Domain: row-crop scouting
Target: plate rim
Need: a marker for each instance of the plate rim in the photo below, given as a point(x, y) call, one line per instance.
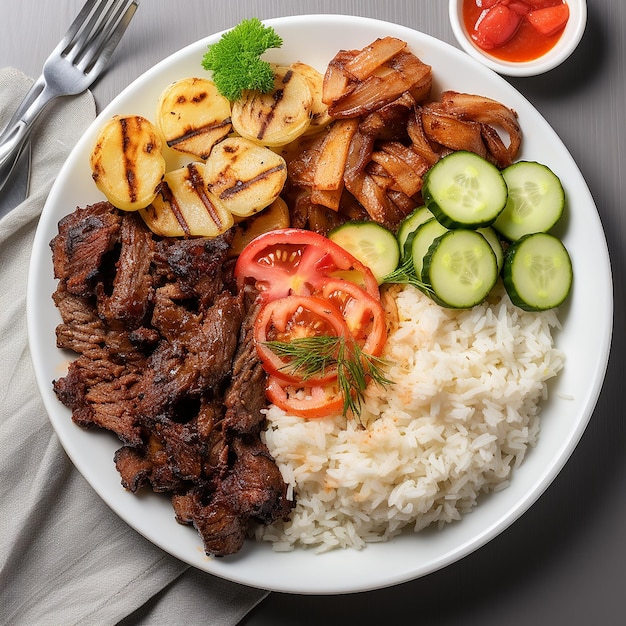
point(500, 523)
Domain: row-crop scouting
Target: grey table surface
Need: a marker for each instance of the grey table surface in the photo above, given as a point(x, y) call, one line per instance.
point(564, 560)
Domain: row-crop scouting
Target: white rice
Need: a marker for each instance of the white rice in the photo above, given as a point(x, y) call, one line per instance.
point(458, 419)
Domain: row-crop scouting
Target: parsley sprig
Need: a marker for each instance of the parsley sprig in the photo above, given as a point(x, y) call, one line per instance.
point(235, 59)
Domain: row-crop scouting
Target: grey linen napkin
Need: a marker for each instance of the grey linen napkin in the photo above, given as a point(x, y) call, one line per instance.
point(65, 557)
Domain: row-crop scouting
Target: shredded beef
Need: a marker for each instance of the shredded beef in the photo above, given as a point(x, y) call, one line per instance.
point(82, 330)
point(245, 396)
point(197, 267)
point(102, 393)
point(212, 516)
point(85, 237)
point(131, 290)
point(247, 492)
point(166, 361)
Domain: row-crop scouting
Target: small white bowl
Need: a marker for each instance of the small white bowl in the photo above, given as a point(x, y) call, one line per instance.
point(562, 50)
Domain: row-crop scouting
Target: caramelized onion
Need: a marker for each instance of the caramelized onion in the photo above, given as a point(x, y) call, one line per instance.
point(452, 132)
point(387, 131)
point(494, 116)
point(403, 72)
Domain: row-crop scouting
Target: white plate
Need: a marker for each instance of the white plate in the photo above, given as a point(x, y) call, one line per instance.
point(585, 338)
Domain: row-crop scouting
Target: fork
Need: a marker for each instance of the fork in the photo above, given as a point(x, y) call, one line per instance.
point(71, 68)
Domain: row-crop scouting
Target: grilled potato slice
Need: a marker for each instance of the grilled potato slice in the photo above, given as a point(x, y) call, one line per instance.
point(185, 207)
point(277, 117)
point(245, 176)
point(319, 117)
point(126, 162)
point(192, 116)
point(275, 216)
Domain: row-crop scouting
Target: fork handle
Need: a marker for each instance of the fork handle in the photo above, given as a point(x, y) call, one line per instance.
point(18, 131)
point(32, 94)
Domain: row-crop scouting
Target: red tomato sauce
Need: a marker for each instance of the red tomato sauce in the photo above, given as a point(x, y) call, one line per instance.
point(526, 44)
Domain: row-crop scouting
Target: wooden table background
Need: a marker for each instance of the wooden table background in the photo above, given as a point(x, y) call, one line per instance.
point(564, 561)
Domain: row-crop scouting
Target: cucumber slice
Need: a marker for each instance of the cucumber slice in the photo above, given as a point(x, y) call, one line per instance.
point(461, 269)
point(372, 244)
point(494, 241)
point(423, 237)
point(463, 190)
point(408, 226)
point(537, 272)
point(535, 203)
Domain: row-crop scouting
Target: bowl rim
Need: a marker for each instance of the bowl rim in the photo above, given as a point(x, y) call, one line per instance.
point(574, 31)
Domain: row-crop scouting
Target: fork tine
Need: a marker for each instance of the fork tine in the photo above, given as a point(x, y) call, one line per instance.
point(75, 26)
point(72, 67)
point(86, 29)
point(95, 39)
point(101, 49)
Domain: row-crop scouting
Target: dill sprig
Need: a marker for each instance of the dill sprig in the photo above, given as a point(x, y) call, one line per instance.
point(312, 356)
point(354, 369)
point(308, 357)
point(235, 59)
point(405, 274)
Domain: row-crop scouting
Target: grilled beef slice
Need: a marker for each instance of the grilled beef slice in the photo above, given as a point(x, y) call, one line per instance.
point(102, 393)
point(132, 284)
point(166, 361)
point(245, 397)
point(85, 237)
point(250, 492)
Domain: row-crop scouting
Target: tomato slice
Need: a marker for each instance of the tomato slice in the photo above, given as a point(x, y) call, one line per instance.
point(304, 400)
point(296, 317)
point(293, 261)
point(363, 314)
